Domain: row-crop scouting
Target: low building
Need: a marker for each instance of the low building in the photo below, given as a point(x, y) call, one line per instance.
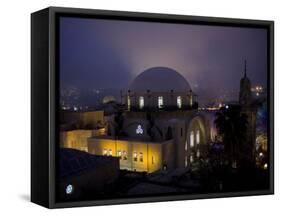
point(89, 119)
point(77, 139)
point(137, 155)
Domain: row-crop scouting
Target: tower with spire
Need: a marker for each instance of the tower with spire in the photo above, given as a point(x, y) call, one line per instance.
point(245, 95)
point(247, 148)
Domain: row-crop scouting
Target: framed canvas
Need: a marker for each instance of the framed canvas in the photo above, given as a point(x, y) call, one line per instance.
point(139, 107)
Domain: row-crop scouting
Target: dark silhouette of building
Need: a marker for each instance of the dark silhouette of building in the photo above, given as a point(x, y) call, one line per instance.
point(248, 107)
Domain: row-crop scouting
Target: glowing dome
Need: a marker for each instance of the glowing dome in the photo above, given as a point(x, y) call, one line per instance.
point(159, 79)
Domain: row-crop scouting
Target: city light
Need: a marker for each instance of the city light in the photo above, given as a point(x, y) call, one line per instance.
point(69, 189)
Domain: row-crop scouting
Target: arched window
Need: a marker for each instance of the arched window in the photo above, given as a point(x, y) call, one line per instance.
point(185, 161)
point(191, 139)
point(119, 153)
point(198, 153)
point(179, 102)
point(197, 137)
point(109, 152)
point(141, 157)
point(141, 102)
point(135, 156)
point(160, 102)
point(191, 159)
point(191, 100)
point(129, 103)
point(124, 155)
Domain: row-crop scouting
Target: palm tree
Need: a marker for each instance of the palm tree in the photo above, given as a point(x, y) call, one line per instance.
point(232, 125)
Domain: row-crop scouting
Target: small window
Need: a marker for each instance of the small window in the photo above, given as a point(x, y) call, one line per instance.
point(190, 100)
point(125, 155)
point(119, 153)
point(191, 159)
point(135, 156)
point(109, 152)
point(185, 146)
point(197, 137)
point(179, 102)
point(141, 102)
point(191, 139)
point(160, 102)
point(139, 130)
point(104, 152)
point(198, 153)
point(152, 160)
point(141, 157)
point(185, 161)
point(129, 102)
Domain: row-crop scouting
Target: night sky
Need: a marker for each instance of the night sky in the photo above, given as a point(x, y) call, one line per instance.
point(102, 54)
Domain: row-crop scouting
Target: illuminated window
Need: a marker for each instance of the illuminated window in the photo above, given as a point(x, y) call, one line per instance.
point(160, 102)
point(179, 102)
point(129, 102)
point(191, 100)
point(109, 152)
point(119, 153)
point(104, 152)
point(198, 153)
point(141, 102)
point(191, 159)
point(185, 161)
point(124, 155)
point(135, 156)
point(139, 130)
point(141, 157)
point(191, 139)
point(197, 137)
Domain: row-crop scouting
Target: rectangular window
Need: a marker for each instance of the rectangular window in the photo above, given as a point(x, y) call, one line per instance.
point(197, 137)
point(109, 152)
point(160, 102)
point(141, 157)
point(191, 141)
point(179, 102)
point(119, 153)
point(135, 156)
point(190, 100)
point(191, 159)
point(129, 103)
point(125, 155)
point(141, 102)
point(198, 153)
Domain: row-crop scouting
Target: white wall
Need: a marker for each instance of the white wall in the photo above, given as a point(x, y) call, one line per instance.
point(15, 106)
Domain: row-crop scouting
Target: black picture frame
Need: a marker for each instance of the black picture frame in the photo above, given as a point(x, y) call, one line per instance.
point(45, 97)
